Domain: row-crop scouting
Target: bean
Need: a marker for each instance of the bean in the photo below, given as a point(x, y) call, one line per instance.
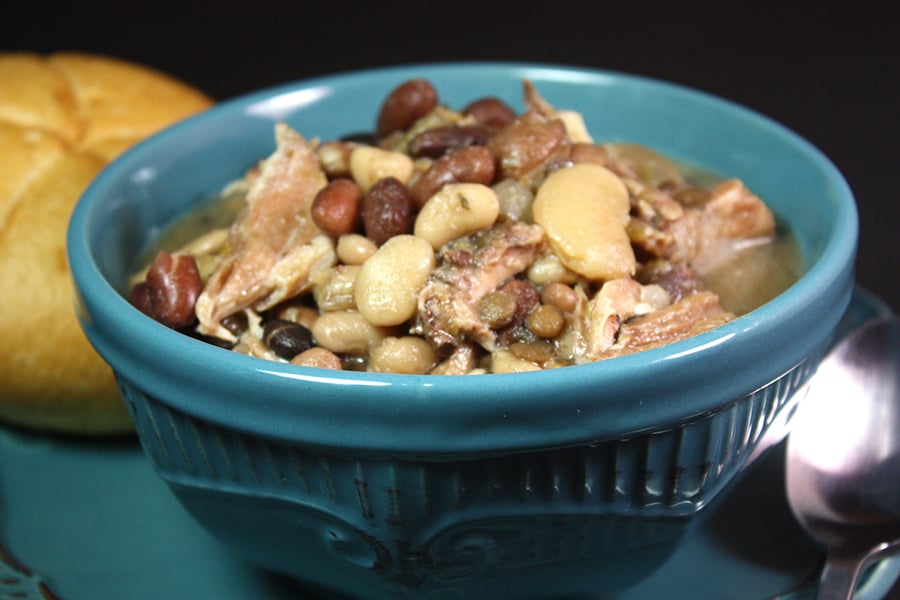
point(559, 295)
point(236, 323)
point(333, 287)
point(404, 105)
point(537, 352)
point(497, 309)
point(346, 332)
point(515, 199)
point(491, 111)
point(336, 207)
point(456, 210)
point(546, 321)
point(437, 141)
point(548, 268)
point(591, 153)
point(504, 361)
point(354, 249)
point(139, 297)
point(469, 164)
point(387, 210)
point(527, 143)
point(334, 158)
point(173, 285)
point(388, 283)
point(584, 210)
point(286, 338)
point(369, 164)
point(296, 311)
point(319, 358)
point(408, 354)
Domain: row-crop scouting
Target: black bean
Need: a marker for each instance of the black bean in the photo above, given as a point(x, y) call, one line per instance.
point(235, 323)
point(286, 338)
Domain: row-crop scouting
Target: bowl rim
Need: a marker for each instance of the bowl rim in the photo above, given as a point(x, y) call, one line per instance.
point(409, 418)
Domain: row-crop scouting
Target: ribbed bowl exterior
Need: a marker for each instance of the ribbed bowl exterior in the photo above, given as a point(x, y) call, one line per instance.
point(437, 526)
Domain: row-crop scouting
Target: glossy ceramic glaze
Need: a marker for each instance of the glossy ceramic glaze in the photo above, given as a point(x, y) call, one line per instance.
point(453, 486)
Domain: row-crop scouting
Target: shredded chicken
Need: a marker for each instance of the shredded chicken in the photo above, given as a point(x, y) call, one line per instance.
point(469, 269)
point(274, 245)
point(688, 317)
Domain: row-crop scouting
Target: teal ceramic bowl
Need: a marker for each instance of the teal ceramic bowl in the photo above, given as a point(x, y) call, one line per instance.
point(563, 482)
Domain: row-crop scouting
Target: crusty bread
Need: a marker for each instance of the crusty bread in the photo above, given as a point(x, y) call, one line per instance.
point(63, 117)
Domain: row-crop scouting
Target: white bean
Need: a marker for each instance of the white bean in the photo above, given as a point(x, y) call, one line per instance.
point(368, 164)
point(354, 249)
point(457, 209)
point(346, 332)
point(388, 283)
point(407, 354)
point(584, 211)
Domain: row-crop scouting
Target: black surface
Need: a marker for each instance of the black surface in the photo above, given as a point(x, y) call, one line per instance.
point(830, 74)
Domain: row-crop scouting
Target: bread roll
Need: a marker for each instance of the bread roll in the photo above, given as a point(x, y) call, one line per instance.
point(63, 117)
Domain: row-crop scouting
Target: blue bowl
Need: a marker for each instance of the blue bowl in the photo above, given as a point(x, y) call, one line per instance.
point(565, 481)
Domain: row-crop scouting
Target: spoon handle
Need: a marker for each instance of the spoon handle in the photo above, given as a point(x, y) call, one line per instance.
point(838, 580)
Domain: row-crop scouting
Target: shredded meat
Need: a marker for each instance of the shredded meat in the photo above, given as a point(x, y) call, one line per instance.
point(274, 245)
point(690, 316)
point(470, 268)
point(732, 214)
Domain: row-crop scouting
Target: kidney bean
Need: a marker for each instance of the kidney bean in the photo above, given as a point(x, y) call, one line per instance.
point(404, 105)
point(491, 111)
point(387, 210)
point(336, 208)
point(469, 164)
point(286, 338)
point(170, 291)
point(139, 297)
point(437, 141)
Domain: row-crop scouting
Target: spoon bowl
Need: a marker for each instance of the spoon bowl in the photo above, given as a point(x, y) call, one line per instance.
point(843, 454)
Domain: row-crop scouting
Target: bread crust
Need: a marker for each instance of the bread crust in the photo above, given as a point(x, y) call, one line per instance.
point(63, 117)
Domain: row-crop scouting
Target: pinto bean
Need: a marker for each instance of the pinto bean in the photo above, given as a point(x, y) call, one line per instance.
point(559, 295)
point(319, 358)
point(170, 291)
point(437, 141)
point(387, 210)
point(337, 206)
point(527, 143)
point(491, 111)
point(404, 105)
point(469, 164)
point(591, 153)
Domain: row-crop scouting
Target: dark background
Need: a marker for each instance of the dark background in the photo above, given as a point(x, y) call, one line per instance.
point(830, 74)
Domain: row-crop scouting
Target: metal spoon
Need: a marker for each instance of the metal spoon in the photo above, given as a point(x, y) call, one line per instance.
point(843, 455)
